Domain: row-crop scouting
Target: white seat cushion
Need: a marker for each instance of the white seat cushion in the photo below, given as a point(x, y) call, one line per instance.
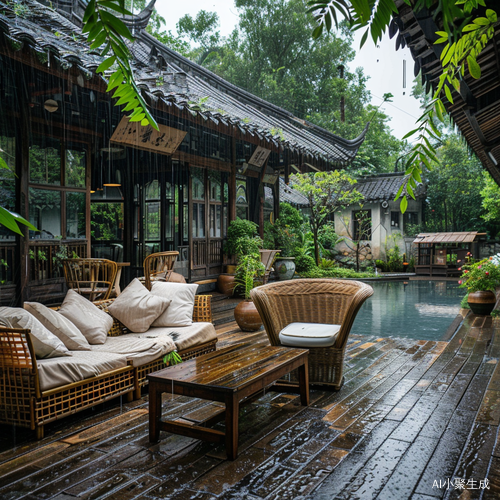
point(309, 335)
point(186, 337)
point(139, 348)
point(56, 372)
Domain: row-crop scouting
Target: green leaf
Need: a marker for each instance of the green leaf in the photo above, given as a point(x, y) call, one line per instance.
point(474, 68)
point(409, 189)
point(400, 192)
point(99, 40)
point(106, 64)
point(491, 15)
point(116, 25)
point(403, 205)
point(116, 7)
point(470, 27)
point(410, 133)
point(447, 91)
point(317, 31)
point(89, 11)
point(363, 38)
point(481, 21)
point(11, 220)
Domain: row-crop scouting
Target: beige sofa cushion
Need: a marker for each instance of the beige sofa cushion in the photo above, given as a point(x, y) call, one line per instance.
point(136, 307)
point(138, 348)
point(180, 311)
point(60, 326)
point(83, 364)
point(88, 318)
point(46, 344)
point(187, 336)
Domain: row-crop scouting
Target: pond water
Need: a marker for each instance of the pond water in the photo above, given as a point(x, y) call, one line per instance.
point(416, 309)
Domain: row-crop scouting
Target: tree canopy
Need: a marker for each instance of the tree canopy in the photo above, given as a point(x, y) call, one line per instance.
point(272, 55)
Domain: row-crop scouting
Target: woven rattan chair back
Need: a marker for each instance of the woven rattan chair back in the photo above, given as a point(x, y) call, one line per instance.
point(328, 301)
point(92, 278)
point(158, 267)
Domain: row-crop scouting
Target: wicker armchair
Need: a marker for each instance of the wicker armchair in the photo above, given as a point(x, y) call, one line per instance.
point(159, 266)
point(327, 301)
point(92, 278)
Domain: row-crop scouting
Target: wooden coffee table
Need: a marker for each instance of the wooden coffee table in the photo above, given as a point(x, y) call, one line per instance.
point(227, 375)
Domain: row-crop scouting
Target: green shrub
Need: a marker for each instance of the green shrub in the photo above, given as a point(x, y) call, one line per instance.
point(327, 264)
point(336, 272)
point(464, 304)
point(304, 263)
point(239, 228)
point(382, 265)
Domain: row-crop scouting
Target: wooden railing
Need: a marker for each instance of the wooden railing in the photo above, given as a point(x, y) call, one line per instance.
point(45, 257)
point(215, 252)
point(199, 253)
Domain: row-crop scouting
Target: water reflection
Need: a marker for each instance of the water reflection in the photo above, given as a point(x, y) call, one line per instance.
point(416, 309)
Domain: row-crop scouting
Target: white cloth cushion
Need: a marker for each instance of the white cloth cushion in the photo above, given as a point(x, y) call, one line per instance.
point(60, 326)
point(139, 348)
point(88, 318)
point(187, 336)
point(83, 364)
point(136, 307)
point(309, 335)
point(180, 311)
point(46, 344)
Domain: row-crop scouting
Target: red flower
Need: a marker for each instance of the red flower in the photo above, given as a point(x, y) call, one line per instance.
point(459, 282)
point(459, 268)
point(486, 273)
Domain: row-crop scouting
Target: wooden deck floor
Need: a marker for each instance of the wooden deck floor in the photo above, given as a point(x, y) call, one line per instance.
point(411, 416)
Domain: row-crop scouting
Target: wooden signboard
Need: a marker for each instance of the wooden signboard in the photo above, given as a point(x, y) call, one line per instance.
point(259, 156)
point(165, 141)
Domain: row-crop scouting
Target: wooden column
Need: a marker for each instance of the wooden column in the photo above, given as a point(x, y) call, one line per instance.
point(232, 183)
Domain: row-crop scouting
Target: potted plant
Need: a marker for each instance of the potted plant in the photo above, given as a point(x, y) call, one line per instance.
point(248, 272)
point(285, 240)
point(241, 239)
point(481, 279)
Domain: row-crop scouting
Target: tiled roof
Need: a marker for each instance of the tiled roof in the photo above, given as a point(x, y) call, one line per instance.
point(287, 195)
point(163, 74)
point(464, 237)
point(383, 186)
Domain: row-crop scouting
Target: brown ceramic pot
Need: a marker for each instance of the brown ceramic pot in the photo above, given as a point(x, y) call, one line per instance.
point(482, 302)
point(225, 284)
point(247, 316)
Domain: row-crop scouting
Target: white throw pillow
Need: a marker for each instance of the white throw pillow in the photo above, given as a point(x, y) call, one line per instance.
point(180, 311)
point(60, 326)
point(88, 318)
point(136, 307)
point(46, 344)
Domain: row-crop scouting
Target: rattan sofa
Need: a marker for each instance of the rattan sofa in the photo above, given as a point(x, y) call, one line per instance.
point(23, 403)
point(327, 301)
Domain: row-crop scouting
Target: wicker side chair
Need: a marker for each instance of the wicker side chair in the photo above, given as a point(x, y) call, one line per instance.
point(92, 278)
point(158, 267)
point(325, 301)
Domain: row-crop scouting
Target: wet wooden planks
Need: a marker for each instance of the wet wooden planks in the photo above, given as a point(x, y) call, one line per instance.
point(410, 413)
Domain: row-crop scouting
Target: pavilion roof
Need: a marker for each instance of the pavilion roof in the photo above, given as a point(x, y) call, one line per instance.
point(461, 237)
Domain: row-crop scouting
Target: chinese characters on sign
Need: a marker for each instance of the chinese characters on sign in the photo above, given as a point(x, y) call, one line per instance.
point(462, 484)
point(165, 141)
point(259, 156)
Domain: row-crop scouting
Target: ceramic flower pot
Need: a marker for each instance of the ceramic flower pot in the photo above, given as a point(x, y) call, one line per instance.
point(225, 284)
point(482, 302)
point(247, 316)
point(284, 268)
